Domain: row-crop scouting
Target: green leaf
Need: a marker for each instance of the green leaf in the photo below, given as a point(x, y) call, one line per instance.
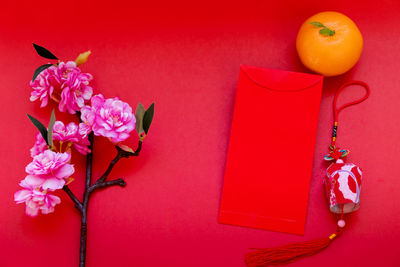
point(317, 24)
point(326, 31)
point(40, 69)
point(40, 127)
point(43, 52)
point(139, 114)
point(50, 129)
point(148, 118)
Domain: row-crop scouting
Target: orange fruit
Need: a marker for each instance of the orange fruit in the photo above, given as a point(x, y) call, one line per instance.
point(329, 43)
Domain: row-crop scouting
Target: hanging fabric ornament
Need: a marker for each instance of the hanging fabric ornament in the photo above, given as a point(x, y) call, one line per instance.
point(342, 186)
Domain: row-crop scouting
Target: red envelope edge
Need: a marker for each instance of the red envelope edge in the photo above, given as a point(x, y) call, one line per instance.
point(271, 147)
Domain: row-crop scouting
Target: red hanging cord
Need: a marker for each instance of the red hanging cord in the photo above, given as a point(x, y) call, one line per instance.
point(355, 102)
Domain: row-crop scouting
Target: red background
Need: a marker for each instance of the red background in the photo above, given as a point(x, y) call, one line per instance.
point(186, 58)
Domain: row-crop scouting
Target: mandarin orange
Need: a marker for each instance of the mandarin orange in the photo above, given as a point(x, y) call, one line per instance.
point(329, 43)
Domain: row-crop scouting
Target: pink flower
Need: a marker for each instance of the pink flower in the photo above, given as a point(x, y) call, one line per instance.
point(87, 116)
point(65, 133)
point(39, 146)
point(97, 101)
point(44, 85)
point(49, 169)
point(82, 145)
point(75, 87)
point(110, 118)
point(35, 199)
point(65, 82)
point(69, 135)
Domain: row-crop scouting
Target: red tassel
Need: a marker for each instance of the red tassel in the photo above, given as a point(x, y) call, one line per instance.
point(288, 253)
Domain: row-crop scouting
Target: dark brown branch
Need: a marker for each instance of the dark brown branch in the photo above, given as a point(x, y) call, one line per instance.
point(119, 182)
point(74, 199)
point(137, 151)
point(110, 167)
point(89, 161)
point(100, 183)
point(120, 154)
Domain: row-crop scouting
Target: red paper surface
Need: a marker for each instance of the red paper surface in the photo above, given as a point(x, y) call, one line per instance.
point(271, 149)
point(185, 57)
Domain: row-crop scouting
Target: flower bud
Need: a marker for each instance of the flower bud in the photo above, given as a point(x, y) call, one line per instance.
point(82, 58)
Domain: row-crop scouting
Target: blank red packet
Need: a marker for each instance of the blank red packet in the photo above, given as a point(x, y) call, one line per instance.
point(271, 149)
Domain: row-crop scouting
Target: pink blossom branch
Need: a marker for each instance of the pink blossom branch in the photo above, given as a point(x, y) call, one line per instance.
point(78, 86)
point(74, 199)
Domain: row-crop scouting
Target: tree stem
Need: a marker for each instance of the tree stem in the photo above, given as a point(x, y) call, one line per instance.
point(100, 183)
point(86, 194)
point(119, 182)
point(74, 199)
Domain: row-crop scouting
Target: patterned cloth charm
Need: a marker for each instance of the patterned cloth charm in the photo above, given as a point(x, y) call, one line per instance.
point(343, 186)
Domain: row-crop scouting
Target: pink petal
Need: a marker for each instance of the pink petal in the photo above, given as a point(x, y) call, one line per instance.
point(80, 102)
point(97, 101)
point(64, 171)
point(44, 102)
point(46, 210)
point(53, 184)
point(87, 92)
point(53, 200)
point(22, 195)
point(82, 149)
point(31, 211)
point(123, 136)
point(84, 129)
point(70, 64)
point(72, 128)
point(34, 181)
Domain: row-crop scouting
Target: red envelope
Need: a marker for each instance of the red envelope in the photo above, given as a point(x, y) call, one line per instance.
point(271, 149)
